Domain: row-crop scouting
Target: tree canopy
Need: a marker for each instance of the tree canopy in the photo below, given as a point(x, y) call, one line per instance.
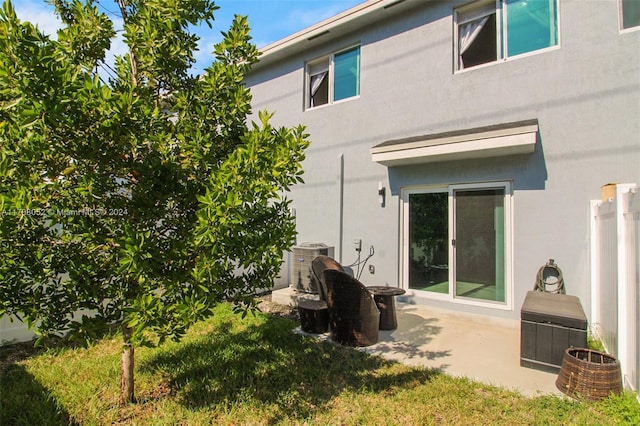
point(143, 198)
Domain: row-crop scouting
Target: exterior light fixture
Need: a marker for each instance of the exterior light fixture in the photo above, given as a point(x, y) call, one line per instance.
point(381, 194)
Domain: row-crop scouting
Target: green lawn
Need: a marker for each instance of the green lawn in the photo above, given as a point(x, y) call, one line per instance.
point(255, 370)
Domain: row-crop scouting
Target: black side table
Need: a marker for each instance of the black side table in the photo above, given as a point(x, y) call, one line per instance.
point(384, 298)
point(314, 316)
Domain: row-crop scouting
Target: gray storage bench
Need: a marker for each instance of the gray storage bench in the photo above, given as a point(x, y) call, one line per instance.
point(550, 323)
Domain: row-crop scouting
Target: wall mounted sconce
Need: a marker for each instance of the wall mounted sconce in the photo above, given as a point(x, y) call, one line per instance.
point(381, 194)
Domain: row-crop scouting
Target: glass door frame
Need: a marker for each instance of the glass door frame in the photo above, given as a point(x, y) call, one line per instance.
point(508, 245)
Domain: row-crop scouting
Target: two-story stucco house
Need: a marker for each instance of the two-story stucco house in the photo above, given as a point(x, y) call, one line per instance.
point(462, 140)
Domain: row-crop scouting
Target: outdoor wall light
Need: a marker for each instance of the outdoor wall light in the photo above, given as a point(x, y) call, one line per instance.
point(381, 194)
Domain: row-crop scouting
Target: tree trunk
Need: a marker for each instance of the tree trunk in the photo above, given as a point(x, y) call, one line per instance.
point(126, 368)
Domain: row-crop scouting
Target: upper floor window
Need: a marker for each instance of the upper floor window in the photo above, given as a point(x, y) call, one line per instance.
point(333, 78)
point(629, 13)
point(488, 31)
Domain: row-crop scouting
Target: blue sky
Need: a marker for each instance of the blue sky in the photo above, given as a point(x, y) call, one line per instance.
point(270, 20)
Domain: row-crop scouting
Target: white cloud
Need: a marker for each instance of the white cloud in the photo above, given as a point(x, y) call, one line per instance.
point(204, 56)
point(40, 14)
point(43, 16)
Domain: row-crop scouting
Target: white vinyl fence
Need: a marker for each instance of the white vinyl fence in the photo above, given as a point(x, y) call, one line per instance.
point(12, 330)
point(615, 276)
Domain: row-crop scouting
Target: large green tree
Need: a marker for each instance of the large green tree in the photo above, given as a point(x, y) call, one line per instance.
point(140, 197)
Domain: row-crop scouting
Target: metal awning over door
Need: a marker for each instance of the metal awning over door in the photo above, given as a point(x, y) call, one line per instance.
point(481, 142)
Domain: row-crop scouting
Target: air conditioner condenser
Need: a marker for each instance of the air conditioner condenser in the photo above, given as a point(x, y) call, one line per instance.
point(301, 274)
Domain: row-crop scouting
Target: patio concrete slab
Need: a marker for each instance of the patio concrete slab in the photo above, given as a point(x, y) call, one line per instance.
point(482, 348)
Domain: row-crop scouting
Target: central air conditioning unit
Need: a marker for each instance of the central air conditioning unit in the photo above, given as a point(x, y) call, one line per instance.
point(301, 273)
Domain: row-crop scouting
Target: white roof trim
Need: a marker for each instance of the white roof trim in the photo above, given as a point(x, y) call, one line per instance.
point(324, 26)
point(367, 13)
point(494, 141)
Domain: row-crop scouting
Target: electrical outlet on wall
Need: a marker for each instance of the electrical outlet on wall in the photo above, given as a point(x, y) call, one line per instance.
point(357, 244)
point(372, 269)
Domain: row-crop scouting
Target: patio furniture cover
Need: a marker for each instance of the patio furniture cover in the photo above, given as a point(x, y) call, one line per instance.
point(319, 264)
point(353, 315)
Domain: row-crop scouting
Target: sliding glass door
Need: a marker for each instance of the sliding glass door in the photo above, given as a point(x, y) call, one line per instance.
point(428, 234)
point(478, 244)
point(455, 242)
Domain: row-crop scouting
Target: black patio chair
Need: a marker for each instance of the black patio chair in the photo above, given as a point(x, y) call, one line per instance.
point(319, 264)
point(314, 314)
point(353, 315)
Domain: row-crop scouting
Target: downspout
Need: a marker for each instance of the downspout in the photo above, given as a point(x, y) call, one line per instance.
point(289, 281)
point(340, 182)
point(596, 318)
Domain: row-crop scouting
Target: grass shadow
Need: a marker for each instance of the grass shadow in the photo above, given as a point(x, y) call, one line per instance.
point(24, 401)
point(268, 363)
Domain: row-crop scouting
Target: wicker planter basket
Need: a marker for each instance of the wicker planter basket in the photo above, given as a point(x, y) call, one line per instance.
point(589, 374)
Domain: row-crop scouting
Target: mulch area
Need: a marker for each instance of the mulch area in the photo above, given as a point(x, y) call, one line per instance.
point(16, 352)
point(267, 306)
